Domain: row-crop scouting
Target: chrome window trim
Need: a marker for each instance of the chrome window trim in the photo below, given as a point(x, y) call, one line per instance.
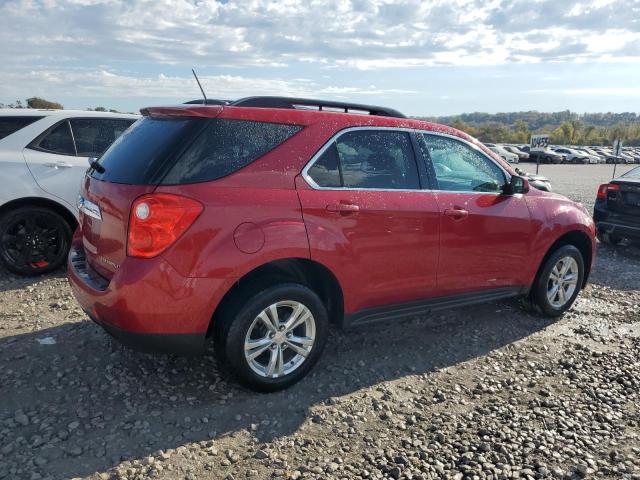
point(310, 163)
point(318, 154)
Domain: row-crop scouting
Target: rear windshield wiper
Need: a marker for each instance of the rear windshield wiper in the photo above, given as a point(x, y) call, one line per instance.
point(93, 163)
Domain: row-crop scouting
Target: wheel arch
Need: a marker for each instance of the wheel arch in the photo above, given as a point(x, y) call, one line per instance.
point(60, 209)
point(298, 270)
point(578, 239)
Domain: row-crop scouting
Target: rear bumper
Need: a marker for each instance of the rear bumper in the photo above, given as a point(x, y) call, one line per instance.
point(147, 304)
point(615, 223)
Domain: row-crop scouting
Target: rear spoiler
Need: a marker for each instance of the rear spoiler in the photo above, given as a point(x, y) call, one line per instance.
point(202, 111)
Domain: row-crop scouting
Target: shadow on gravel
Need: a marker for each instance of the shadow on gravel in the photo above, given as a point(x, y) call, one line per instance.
point(80, 406)
point(612, 266)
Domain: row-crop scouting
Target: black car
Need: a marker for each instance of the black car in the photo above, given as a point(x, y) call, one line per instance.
point(617, 209)
point(546, 155)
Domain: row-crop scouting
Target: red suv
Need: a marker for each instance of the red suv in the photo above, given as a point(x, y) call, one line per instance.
point(261, 222)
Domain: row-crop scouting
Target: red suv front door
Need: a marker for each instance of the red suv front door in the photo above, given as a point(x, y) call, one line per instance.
point(484, 234)
point(369, 220)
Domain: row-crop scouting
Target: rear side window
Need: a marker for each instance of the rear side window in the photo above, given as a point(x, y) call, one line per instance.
point(226, 146)
point(9, 125)
point(94, 135)
point(325, 172)
point(58, 140)
point(140, 155)
point(379, 159)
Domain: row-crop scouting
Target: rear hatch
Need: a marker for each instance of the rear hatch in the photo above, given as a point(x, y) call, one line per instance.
point(168, 147)
point(134, 165)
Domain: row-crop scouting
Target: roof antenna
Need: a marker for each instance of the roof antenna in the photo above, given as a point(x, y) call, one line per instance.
point(204, 101)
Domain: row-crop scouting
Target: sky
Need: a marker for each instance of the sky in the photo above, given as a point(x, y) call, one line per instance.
point(421, 57)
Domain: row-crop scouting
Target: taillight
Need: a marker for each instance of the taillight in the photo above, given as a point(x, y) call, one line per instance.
point(157, 220)
point(605, 188)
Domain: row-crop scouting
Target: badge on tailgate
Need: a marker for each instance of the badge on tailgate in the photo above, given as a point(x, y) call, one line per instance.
point(88, 208)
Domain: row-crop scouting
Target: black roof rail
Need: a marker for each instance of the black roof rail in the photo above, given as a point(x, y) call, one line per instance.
point(321, 105)
point(209, 101)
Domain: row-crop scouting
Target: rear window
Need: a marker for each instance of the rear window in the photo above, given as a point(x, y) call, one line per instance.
point(226, 146)
point(139, 156)
point(635, 173)
point(9, 125)
point(188, 150)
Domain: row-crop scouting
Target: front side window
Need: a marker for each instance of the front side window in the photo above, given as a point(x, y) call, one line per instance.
point(460, 168)
point(94, 135)
point(378, 159)
point(11, 124)
point(58, 140)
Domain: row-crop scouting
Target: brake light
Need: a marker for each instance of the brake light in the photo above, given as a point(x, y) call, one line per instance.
point(605, 188)
point(157, 220)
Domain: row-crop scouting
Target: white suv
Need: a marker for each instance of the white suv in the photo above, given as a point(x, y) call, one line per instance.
point(43, 157)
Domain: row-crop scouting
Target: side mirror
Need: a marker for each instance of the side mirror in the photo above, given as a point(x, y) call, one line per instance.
point(516, 185)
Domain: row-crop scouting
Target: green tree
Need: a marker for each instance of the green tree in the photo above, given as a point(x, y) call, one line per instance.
point(37, 102)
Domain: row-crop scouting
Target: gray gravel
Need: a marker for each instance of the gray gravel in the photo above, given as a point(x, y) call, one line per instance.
point(483, 392)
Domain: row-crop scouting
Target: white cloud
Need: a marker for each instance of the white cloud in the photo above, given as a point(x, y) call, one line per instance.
point(103, 83)
point(108, 47)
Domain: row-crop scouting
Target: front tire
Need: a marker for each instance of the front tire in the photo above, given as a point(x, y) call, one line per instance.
point(33, 240)
point(558, 282)
point(273, 339)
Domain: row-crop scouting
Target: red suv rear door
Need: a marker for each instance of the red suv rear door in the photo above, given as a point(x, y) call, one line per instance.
point(484, 234)
point(368, 218)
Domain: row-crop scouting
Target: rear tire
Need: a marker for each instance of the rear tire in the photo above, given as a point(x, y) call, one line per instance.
point(267, 355)
point(33, 240)
point(558, 283)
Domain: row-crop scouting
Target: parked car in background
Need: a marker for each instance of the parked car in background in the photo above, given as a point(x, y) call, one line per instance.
point(506, 155)
point(522, 156)
point(535, 180)
point(617, 208)
point(259, 223)
point(546, 156)
point(622, 158)
point(594, 157)
point(571, 155)
point(43, 157)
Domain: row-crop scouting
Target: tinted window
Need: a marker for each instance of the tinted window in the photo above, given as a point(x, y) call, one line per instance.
point(58, 140)
point(93, 136)
point(139, 156)
point(325, 171)
point(459, 167)
point(377, 159)
point(226, 146)
point(9, 125)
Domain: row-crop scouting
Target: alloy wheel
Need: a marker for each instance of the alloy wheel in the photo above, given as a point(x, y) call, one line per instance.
point(563, 281)
point(280, 339)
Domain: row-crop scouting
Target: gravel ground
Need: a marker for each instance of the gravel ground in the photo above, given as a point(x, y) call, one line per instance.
point(482, 392)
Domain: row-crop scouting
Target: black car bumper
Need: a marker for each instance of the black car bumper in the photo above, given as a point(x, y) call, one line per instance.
point(616, 224)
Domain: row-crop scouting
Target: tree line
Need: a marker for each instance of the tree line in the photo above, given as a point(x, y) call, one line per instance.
point(41, 103)
point(564, 128)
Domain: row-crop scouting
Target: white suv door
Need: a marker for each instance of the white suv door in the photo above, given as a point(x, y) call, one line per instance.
point(58, 158)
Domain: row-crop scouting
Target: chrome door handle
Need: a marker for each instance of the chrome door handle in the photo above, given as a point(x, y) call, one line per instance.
point(342, 207)
point(456, 213)
point(58, 165)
